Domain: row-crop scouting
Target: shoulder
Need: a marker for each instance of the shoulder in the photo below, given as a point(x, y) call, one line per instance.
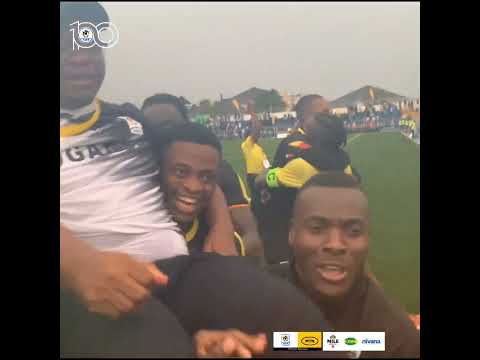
point(225, 171)
point(384, 314)
point(280, 270)
point(248, 142)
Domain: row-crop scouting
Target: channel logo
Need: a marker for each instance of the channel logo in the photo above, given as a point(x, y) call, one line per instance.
point(354, 341)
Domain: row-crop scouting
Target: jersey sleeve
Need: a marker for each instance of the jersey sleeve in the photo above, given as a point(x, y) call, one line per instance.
point(293, 175)
point(279, 159)
point(232, 186)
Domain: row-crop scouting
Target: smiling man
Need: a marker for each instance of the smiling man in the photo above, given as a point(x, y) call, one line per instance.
point(190, 161)
point(164, 111)
point(329, 238)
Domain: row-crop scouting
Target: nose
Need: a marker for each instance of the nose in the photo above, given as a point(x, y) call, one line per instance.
point(193, 185)
point(335, 242)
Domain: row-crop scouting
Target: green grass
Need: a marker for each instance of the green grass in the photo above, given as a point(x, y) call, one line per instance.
point(390, 169)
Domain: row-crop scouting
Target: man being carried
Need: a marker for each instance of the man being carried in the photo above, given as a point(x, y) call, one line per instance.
point(116, 236)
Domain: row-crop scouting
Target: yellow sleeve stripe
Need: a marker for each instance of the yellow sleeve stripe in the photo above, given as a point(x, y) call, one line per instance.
point(240, 242)
point(244, 189)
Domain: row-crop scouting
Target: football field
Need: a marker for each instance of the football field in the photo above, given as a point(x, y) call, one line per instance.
point(389, 164)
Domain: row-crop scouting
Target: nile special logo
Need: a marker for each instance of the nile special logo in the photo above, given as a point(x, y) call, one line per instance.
point(332, 341)
point(350, 341)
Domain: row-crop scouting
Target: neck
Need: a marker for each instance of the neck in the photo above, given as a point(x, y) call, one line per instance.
point(184, 225)
point(72, 104)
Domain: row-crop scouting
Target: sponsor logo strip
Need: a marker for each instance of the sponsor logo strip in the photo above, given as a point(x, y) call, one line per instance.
point(353, 341)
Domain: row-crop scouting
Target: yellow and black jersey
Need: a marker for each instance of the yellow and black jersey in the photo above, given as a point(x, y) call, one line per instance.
point(308, 161)
point(232, 186)
point(289, 148)
point(197, 233)
point(284, 182)
point(256, 160)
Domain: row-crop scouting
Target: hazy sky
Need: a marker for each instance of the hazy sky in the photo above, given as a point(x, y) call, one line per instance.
point(200, 50)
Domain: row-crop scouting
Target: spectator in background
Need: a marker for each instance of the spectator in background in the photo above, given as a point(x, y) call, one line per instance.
point(306, 109)
point(329, 237)
point(320, 151)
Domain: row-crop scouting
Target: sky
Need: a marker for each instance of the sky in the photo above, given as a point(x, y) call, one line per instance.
point(203, 49)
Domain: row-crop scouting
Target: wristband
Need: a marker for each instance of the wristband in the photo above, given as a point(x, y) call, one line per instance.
point(272, 179)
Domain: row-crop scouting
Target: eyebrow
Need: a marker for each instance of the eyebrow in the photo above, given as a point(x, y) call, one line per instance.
point(343, 221)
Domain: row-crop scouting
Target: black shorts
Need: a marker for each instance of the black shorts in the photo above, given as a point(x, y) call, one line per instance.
point(205, 291)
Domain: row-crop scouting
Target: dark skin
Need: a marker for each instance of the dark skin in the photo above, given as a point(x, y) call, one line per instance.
point(82, 72)
point(317, 105)
point(166, 115)
point(329, 236)
point(108, 283)
point(189, 178)
point(313, 131)
point(243, 220)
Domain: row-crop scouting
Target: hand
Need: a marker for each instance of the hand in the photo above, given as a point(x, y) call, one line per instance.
point(111, 283)
point(231, 343)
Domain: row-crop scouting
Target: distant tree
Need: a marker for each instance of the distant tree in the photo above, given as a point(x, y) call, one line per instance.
point(270, 102)
point(204, 106)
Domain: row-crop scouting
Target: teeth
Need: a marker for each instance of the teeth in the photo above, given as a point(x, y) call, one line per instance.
point(187, 200)
point(333, 267)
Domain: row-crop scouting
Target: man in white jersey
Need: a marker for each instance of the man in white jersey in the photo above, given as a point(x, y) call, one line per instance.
point(115, 235)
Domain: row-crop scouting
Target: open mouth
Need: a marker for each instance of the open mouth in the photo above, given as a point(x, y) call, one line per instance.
point(332, 273)
point(186, 204)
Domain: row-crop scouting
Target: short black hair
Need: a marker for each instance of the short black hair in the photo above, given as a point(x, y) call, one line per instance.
point(82, 11)
point(303, 103)
point(159, 99)
point(188, 132)
point(332, 179)
point(336, 179)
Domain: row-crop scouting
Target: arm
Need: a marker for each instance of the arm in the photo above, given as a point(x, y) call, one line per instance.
point(279, 158)
point(246, 225)
point(107, 283)
point(220, 237)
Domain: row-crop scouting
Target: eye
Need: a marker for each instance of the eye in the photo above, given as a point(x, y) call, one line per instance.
point(207, 178)
point(180, 173)
point(355, 230)
point(317, 227)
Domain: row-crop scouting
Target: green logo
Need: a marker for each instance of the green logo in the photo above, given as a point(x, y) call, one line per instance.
point(350, 341)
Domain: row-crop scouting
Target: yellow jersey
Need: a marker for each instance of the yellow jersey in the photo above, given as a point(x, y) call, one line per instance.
point(255, 158)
